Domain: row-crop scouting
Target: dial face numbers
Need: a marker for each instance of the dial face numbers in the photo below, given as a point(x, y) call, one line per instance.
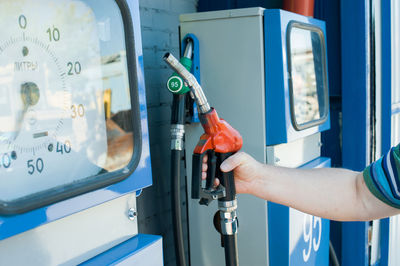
point(36, 94)
point(52, 119)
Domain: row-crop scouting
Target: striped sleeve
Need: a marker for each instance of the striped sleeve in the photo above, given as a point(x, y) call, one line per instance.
point(382, 177)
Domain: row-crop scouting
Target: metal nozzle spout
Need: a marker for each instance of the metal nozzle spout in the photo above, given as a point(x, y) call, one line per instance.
point(194, 86)
point(189, 49)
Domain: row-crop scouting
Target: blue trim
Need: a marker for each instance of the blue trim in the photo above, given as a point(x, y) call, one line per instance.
point(386, 84)
point(195, 68)
point(386, 74)
point(124, 250)
point(140, 178)
point(320, 162)
point(278, 238)
point(355, 83)
point(279, 124)
point(355, 244)
point(274, 77)
point(329, 11)
point(384, 241)
point(355, 103)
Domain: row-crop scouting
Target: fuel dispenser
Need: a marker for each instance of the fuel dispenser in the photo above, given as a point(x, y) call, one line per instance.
point(266, 71)
point(219, 141)
point(74, 143)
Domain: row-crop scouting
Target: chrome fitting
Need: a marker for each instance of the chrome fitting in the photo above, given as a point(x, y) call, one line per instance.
point(132, 214)
point(189, 49)
point(229, 223)
point(176, 144)
point(227, 206)
point(177, 134)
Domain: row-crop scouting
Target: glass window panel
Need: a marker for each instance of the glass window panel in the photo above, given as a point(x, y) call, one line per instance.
point(395, 129)
point(307, 67)
point(395, 39)
point(65, 103)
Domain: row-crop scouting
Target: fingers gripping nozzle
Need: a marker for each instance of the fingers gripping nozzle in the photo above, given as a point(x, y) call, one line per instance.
point(205, 190)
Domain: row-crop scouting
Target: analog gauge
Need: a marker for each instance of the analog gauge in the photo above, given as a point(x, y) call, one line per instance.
point(57, 118)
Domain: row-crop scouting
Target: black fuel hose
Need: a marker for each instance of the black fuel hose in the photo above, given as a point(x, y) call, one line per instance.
point(231, 252)
point(229, 239)
point(177, 132)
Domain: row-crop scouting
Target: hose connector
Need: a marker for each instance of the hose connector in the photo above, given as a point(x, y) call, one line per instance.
point(229, 220)
point(177, 136)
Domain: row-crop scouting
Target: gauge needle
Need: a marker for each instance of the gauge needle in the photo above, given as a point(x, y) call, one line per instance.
point(20, 119)
point(30, 96)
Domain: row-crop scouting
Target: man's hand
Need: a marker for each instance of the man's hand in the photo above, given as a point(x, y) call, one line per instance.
point(336, 194)
point(246, 171)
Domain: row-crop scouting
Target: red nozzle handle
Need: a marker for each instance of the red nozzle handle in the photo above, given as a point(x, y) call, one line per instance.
point(218, 135)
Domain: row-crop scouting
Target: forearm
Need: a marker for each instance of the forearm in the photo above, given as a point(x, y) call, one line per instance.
point(336, 194)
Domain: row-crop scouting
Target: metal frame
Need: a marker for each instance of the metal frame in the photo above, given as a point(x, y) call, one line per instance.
point(300, 25)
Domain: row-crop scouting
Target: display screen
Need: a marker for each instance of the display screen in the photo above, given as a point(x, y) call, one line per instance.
point(307, 68)
point(66, 119)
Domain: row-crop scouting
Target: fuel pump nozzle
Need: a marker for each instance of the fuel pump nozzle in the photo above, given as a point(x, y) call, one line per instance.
point(196, 90)
point(219, 141)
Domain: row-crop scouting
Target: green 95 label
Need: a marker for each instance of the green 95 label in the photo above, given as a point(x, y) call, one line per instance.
point(174, 84)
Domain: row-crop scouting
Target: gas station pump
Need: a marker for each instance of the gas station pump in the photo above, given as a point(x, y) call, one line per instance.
point(74, 144)
point(218, 142)
point(266, 71)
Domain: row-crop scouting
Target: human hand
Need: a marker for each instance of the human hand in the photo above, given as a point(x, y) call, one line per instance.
point(246, 171)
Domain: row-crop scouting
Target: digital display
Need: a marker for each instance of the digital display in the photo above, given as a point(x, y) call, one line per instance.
point(65, 103)
point(308, 75)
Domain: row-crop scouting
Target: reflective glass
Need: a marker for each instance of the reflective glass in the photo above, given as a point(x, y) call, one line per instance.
point(65, 104)
point(308, 75)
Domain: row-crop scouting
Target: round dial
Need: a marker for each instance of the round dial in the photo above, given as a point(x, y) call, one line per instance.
point(53, 126)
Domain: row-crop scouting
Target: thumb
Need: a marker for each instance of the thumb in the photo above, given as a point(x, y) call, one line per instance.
point(232, 162)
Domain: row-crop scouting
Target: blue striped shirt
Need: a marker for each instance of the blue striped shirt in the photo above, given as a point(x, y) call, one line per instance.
point(382, 177)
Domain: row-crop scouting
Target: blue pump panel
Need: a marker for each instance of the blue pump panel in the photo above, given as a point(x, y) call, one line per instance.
point(298, 238)
point(139, 250)
point(195, 69)
point(101, 151)
point(296, 76)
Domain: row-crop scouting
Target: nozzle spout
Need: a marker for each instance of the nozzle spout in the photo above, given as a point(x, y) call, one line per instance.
point(189, 49)
point(194, 86)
